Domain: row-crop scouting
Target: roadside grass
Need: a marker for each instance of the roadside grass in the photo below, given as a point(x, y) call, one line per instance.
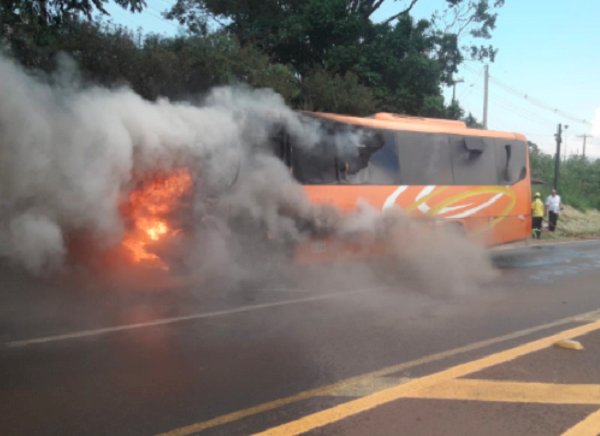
point(575, 224)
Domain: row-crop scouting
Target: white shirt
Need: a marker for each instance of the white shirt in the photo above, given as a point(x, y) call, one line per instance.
point(553, 203)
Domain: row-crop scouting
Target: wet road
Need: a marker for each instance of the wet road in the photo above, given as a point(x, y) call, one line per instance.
point(83, 359)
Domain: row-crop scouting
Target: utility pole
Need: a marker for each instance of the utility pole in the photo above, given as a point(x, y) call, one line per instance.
point(558, 137)
point(454, 82)
point(584, 136)
point(486, 79)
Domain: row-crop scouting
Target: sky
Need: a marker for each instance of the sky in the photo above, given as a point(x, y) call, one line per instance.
point(547, 70)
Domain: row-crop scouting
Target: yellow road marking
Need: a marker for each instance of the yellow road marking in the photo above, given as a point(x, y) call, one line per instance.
point(410, 388)
point(512, 392)
point(590, 426)
point(367, 386)
point(332, 389)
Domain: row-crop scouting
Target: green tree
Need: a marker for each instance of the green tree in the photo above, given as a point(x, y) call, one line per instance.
point(30, 28)
point(285, 26)
point(327, 92)
point(403, 62)
point(53, 12)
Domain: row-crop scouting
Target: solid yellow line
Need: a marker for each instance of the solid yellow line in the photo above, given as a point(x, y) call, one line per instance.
point(332, 388)
point(410, 388)
point(512, 392)
point(590, 426)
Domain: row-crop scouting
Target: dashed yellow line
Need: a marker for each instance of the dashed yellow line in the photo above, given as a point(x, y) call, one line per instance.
point(412, 388)
point(590, 426)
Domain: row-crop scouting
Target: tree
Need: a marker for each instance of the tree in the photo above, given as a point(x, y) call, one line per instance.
point(323, 91)
point(49, 12)
point(324, 55)
point(31, 27)
point(403, 64)
point(402, 61)
point(472, 122)
point(470, 20)
point(317, 23)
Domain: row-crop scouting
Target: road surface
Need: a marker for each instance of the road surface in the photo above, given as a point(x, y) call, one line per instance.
point(81, 358)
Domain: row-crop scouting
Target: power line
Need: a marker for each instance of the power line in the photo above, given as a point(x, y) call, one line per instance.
point(150, 10)
point(533, 100)
point(159, 17)
point(518, 110)
point(537, 102)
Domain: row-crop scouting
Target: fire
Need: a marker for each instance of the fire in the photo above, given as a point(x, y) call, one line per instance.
point(148, 209)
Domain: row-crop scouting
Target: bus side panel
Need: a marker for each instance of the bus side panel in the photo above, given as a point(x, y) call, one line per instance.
point(491, 215)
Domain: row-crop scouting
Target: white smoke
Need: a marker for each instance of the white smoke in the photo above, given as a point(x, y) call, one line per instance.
point(36, 242)
point(70, 154)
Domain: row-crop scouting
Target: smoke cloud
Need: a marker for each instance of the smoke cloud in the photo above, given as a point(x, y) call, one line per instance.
point(71, 154)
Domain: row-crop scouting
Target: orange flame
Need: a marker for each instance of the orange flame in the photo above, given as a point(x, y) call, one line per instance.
point(148, 209)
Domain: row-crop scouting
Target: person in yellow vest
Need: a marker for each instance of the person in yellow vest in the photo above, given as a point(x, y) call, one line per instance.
point(537, 215)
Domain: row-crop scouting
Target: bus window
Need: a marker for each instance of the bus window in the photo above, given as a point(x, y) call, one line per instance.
point(473, 161)
point(315, 165)
point(368, 157)
point(511, 161)
point(353, 155)
point(424, 159)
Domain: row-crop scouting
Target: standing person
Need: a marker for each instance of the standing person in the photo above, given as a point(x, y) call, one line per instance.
point(537, 215)
point(553, 207)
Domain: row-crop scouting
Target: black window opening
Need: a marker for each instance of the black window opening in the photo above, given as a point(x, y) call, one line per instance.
point(350, 155)
point(473, 161)
point(511, 161)
point(347, 155)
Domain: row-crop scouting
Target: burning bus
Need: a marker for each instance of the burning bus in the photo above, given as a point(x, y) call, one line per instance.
point(476, 181)
point(439, 171)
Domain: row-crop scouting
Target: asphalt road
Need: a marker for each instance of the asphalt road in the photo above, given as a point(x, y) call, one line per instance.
point(179, 357)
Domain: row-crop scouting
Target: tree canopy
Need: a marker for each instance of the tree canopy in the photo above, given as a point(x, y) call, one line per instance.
point(329, 55)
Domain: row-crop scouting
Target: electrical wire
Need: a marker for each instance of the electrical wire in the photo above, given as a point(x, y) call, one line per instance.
point(532, 100)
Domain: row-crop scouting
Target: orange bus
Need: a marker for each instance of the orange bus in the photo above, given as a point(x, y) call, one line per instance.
point(432, 168)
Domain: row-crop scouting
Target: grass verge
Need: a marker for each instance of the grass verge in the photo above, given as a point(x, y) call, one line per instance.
point(575, 224)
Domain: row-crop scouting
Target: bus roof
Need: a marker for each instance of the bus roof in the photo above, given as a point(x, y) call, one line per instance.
point(386, 116)
point(388, 121)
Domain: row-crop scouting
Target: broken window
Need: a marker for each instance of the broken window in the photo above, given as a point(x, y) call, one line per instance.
point(348, 154)
point(511, 161)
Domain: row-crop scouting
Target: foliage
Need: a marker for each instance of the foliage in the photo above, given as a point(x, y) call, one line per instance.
point(29, 27)
point(54, 12)
point(402, 62)
point(324, 55)
point(326, 92)
point(155, 66)
point(472, 122)
point(579, 179)
point(476, 19)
